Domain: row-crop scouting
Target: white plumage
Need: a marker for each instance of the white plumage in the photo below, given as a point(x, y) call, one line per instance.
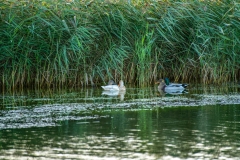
point(112, 86)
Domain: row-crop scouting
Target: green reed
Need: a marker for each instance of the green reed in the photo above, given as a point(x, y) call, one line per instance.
point(80, 43)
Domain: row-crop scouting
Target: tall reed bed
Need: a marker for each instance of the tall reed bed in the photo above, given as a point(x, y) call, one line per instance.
point(78, 43)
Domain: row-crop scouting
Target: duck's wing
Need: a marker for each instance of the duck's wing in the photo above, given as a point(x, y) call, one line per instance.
point(174, 88)
point(110, 87)
point(111, 82)
point(178, 85)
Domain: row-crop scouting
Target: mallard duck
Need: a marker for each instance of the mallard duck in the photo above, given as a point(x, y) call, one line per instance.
point(167, 82)
point(113, 86)
point(170, 88)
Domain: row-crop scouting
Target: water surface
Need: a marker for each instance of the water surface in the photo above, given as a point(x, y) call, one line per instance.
point(202, 123)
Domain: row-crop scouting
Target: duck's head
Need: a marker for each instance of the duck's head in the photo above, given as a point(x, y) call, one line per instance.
point(121, 84)
point(167, 81)
point(160, 81)
point(111, 82)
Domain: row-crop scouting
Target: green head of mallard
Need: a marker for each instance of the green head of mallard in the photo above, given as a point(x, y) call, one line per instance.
point(167, 81)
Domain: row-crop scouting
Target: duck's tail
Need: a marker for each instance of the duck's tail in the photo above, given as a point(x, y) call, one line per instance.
point(185, 85)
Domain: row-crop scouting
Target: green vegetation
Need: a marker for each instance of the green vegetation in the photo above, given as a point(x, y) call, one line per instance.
point(78, 43)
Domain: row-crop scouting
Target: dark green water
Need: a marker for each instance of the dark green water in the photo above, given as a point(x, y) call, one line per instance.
point(145, 124)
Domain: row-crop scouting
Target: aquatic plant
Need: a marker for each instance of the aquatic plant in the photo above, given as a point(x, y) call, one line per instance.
point(80, 43)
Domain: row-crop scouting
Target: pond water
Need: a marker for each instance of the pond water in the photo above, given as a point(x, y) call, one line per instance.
point(201, 123)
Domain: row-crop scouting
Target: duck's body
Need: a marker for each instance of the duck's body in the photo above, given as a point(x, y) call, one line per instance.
point(177, 85)
point(174, 85)
point(112, 86)
point(171, 87)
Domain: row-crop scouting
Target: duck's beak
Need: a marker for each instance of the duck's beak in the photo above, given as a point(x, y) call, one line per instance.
point(157, 82)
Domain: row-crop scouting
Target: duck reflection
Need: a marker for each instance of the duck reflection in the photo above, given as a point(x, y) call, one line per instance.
point(164, 93)
point(115, 93)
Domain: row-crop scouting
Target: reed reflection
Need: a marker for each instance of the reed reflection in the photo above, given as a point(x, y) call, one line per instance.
point(204, 132)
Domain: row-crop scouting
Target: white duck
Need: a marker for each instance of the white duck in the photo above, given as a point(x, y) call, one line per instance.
point(112, 86)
